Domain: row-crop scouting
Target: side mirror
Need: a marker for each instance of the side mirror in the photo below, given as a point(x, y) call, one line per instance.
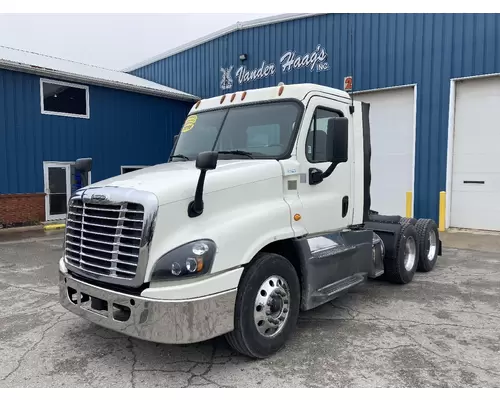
point(337, 139)
point(83, 164)
point(207, 160)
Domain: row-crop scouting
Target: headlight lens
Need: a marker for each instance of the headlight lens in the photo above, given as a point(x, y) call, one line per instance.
point(191, 259)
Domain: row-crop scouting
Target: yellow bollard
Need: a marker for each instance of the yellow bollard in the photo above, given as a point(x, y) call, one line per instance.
point(442, 210)
point(408, 204)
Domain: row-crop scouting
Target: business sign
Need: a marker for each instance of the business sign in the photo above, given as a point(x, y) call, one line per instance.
point(315, 61)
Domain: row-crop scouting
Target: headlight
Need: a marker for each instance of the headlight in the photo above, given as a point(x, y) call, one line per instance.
point(191, 259)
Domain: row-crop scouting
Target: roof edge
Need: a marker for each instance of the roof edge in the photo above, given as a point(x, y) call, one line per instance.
point(275, 19)
point(57, 74)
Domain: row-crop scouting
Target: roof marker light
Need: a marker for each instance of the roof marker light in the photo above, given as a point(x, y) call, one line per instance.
point(280, 91)
point(243, 95)
point(222, 99)
point(232, 97)
point(197, 104)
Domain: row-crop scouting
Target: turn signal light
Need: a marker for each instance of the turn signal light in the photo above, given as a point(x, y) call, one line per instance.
point(297, 217)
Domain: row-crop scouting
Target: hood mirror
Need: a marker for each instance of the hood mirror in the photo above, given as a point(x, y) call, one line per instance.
point(205, 161)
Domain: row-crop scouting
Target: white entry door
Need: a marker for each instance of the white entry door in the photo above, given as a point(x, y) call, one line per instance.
point(475, 188)
point(57, 182)
point(392, 128)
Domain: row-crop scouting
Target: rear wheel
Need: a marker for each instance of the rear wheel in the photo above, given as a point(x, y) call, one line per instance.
point(428, 239)
point(402, 268)
point(267, 307)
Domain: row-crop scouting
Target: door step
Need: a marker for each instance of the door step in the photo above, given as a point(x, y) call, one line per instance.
point(337, 288)
point(376, 274)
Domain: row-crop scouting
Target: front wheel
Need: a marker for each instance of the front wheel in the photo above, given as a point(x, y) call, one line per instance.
point(267, 306)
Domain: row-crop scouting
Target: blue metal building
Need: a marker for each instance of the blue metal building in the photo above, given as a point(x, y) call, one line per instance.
point(54, 111)
point(433, 54)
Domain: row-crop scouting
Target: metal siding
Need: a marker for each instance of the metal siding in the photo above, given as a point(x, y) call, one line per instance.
point(124, 128)
point(390, 50)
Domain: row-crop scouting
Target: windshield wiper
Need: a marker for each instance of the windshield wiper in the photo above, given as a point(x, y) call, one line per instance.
point(180, 156)
point(237, 152)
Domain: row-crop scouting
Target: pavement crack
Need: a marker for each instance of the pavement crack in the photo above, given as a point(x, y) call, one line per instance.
point(33, 347)
point(388, 348)
point(132, 373)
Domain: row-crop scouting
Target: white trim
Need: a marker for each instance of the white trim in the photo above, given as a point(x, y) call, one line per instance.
point(415, 110)
point(385, 88)
point(132, 166)
point(275, 19)
point(46, 166)
point(62, 83)
point(451, 137)
point(449, 152)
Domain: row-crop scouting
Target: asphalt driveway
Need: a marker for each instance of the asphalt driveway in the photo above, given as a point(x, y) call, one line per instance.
point(442, 330)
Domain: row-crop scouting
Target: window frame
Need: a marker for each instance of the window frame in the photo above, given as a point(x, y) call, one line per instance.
point(137, 167)
point(63, 83)
point(340, 115)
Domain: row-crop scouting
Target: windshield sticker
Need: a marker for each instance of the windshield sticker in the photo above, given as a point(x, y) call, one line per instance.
point(189, 124)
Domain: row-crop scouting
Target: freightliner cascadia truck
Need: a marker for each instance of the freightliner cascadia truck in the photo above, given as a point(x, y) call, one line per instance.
point(262, 211)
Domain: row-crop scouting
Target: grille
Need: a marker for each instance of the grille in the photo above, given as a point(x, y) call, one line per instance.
point(104, 239)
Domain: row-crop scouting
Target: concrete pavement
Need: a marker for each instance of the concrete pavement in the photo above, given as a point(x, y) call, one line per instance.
point(443, 329)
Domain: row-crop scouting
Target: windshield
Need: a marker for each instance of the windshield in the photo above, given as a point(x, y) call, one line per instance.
point(256, 131)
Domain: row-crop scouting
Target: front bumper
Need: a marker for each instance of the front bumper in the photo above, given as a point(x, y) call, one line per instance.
point(162, 321)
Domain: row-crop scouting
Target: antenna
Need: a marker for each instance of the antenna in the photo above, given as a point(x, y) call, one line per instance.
point(351, 108)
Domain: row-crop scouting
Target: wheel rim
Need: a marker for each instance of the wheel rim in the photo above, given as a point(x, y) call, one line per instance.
point(410, 253)
point(432, 246)
point(272, 306)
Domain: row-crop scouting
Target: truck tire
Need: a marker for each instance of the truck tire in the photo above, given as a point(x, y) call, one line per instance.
point(267, 306)
point(428, 241)
point(405, 220)
point(401, 269)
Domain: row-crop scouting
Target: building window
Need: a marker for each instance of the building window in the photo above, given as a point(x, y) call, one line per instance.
point(64, 99)
point(316, 138)
point(131, 168)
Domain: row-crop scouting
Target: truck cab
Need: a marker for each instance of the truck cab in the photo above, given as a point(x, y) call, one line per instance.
point(262, 211)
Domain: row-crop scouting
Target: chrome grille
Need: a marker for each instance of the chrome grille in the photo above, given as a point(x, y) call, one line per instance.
point(104, 239)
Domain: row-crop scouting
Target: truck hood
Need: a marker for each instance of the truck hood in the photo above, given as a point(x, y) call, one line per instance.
point(176, 181)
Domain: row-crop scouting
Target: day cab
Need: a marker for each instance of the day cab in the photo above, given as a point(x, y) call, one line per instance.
point(262, 211)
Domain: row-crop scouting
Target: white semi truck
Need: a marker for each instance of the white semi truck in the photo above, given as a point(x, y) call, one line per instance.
point(262, 211)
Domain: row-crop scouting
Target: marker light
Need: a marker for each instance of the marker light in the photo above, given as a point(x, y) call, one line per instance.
point(232, 97)
point(243, 95)
point(222, 99)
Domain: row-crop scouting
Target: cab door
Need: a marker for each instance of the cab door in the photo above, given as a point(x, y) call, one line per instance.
point(328, 205)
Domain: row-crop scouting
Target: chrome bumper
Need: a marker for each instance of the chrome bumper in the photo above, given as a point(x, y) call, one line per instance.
point(162, 321)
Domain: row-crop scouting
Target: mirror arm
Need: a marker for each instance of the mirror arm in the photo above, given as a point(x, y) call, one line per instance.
point(195, 208)
point(330, 169)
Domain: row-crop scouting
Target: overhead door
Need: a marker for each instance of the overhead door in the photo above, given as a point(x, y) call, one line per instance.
point(392, 116)
point(475, 187)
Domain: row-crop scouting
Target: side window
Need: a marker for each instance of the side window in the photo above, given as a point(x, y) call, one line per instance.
point(316, 137)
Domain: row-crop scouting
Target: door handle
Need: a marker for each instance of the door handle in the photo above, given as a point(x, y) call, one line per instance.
point(345, 206)
point(478, 182)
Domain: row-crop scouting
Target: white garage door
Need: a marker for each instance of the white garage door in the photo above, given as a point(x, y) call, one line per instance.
point(475, 190)
point(392, 136)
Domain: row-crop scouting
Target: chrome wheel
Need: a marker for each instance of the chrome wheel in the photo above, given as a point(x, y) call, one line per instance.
point(432, 246)
point(410, 253)
point(272, 305)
